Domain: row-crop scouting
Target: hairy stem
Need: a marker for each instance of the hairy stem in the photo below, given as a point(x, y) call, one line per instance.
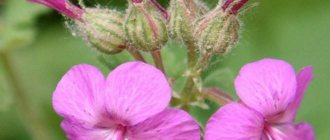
point(31, 120)
point(157, 57)
point(136, 54)
point(218, 95)
point(190, 90)
point(188, 93)
point(191, 54)
point(202, 62)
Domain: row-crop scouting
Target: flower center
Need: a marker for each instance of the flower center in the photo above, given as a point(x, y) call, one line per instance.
point(276, 131)
point(113, 130)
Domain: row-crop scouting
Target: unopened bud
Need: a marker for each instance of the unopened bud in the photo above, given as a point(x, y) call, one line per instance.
point(232, 6)
point(145, 27)
point(217, 32)
point(183, 14)
point(103, 29)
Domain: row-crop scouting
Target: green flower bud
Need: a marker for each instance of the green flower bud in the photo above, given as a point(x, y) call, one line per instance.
point(103, 29)
point(217, 32)
point(183, 14)
point(145, 27)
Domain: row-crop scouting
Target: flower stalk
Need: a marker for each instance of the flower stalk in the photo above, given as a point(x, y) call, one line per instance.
point(31, 120)
point(157, 57)
point(217, 95)
point(136, 54)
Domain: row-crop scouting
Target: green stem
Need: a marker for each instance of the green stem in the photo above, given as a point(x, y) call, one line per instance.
point(191, 54)
point(156, 55)
point(202, 62)
point(187, 94)
point(217, 95)
point(31, 120)
point(136, 54)
point(189, 91)
point(192, 88)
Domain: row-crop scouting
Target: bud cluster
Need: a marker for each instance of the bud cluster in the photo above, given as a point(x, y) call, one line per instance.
point(146, 26)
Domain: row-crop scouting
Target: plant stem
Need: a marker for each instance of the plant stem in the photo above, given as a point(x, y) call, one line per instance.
point(189, 91)
point(191, 54)
point(156, 55)
point(218, 95)
point(202, 62)
point(31, 120)
point(192, 88)
point(136, 54)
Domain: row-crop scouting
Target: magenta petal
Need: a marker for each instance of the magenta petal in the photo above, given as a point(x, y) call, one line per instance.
point(62, 6)
point(137, 91)
point(171, 124)
point(76, 131)
point(235, 122)
point(78, 96)
point(268, 85)
point(303, 79)
point(302, 131)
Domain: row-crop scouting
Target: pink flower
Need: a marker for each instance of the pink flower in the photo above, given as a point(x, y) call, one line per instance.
point(270, 94)
point(62, 6)
point(130, 104)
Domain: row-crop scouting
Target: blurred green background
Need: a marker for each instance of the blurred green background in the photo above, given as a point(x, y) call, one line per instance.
point(297, 31)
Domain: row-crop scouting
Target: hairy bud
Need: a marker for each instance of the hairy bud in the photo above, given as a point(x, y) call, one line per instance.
point(145, 27)
point(103, 29)
point(183, 14)
point(217, 32)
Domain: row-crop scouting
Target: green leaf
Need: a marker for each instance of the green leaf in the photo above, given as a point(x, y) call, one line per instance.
point(174, 57)
point(175, 61)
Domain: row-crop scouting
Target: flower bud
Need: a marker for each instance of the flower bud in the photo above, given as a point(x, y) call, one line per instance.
point(158, 7)
point(183, 14)
point(145, 27)
point(217, 32)
point(103, 29)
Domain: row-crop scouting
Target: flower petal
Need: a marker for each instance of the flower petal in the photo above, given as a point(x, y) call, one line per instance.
point(171, 124)
point(302, 131)
point(267, 86)
point(137, 91)
point(235, 122)
point(62, 6)
point(304, 77)
point(76, 131)
point(78, 95)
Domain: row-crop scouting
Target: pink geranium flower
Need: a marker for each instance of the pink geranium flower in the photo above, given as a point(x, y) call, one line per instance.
point(131, 104)
point(62, 6)
point(270, 94)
